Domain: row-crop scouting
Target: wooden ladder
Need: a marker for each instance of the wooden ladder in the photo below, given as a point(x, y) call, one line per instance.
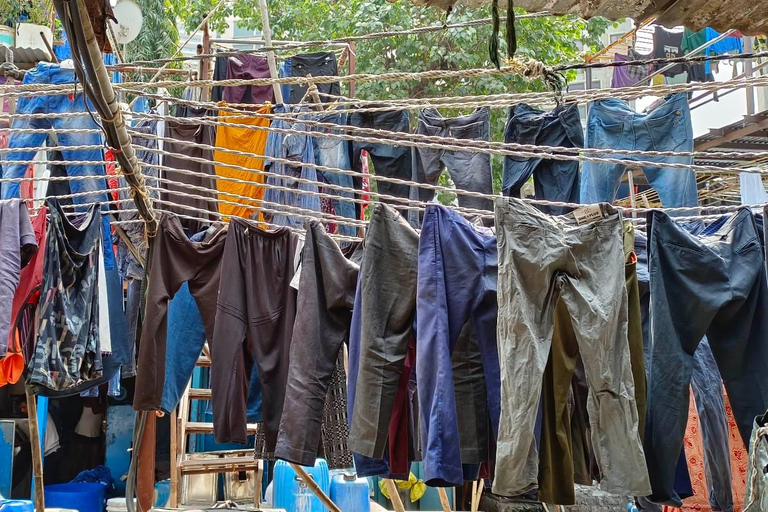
point(206, 462)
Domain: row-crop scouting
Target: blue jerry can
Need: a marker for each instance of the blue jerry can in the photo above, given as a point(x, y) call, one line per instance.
point(293, 495)
point(350, 493)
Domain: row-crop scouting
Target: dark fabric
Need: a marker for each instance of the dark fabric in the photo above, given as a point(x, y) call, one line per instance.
point(668, 44)
point(206, 177)
point(554, 180)
point(246, 67)
point(174, 260)
point(389, 160)
point(324, 312)
point(469, 171)
point(641, 71)
point(255, 314)
point(67, 349)
point(457, 283)
point(620, 76)
point(219, 73)
point(335, 425)
point(711, 284)
point(315, 64)
point(57, 187)
point(388, 305)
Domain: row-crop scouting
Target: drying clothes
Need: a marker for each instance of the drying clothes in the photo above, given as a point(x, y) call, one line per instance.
point(67, 348)
point(389, 160)
point(613, 124)
point(298, 148)
point(693, 40)
point(256, 309)
point(756, 497)
point(127, 264)
point(335, 153)
point(324, 305)
point(554, 180)
point(714, 284)
point(246, 67)
point(178, 157)
point(25, 300)
point(240, 139)
point(456, 283)
point(639, 72)
point(388, 303)
point(335, 425)
point(620, 76)
point(469, 171)
point(579, 258)
point(315, 64)
point(45, 73)
point(219, 73)
point(17, 247)
point(174, 259)
point(667, 44)
point(556, 466)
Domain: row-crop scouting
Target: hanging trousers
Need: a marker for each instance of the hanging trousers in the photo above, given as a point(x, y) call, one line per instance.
point(256, 309)
point(324, 312)
point(712, 284)
point(174, 260)
point(540, 258)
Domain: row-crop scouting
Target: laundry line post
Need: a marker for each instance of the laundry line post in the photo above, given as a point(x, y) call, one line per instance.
point(37, 450)
point(266, 34)
point(394, 496)
point(310, 482)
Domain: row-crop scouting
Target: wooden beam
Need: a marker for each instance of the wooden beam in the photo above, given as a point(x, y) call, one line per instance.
point(733, 135)
point(37, 451)
point(145, 473)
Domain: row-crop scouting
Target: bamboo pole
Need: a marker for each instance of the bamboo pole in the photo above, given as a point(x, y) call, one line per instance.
point(476, 497)
point(266, 33)
point(444, 499)
point(37, 451)
point(310, 482)
point(394, 496)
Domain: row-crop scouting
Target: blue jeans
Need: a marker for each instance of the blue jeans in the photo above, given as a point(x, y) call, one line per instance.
point(714, 284)
point(46, 73)
point(612, 124)
point(335, 153)
point(457, 283)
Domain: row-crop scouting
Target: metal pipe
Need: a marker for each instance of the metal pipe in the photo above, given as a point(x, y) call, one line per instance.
point(729, 91)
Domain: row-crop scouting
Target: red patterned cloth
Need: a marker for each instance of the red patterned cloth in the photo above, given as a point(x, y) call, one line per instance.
point(694, 450)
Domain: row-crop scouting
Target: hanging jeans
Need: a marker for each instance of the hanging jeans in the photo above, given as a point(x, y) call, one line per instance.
point(315, 64)
point(46, 73)
point(469, 171)
point(256, 309)
point(613, 124)
point(335, 153)
point(388, 304)
point(389, 160)
point(174, 260)
point(457, 282)
point(580, 261)
point(553, 180)
point(712, 284)
point(324, 311)
point(756, 497)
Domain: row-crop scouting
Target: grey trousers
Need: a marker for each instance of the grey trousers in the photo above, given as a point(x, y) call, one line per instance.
point(543, 258)
point(388, 289)
point(756, 498)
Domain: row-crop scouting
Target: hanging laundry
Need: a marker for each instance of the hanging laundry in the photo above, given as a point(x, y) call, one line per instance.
point(554, 180)
point(613, 124)
point(315, 64)
point(734, 291)
point(335, 153)
point(667, 44)
point(247, 67)
point(455, 433)
point(693, 40)
point(324, 312)
point(67, 349)
point(174, 259)
point(256, 309)
point(530, 282)
point(177, 157)
point(638, 72)
point(298, 148)
point(241, 138)
point(469, 171)
point(45, 73)
point(621, 76)
point(756, 497)
point(17, 249)
point(219, 73)
point(390, 161)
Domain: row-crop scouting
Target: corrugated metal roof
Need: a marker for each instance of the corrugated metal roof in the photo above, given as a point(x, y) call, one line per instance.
point(29, 55)
point(747, 17)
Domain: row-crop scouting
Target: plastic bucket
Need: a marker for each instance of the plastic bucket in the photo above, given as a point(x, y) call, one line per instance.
point(16, 506)
point(82, 497)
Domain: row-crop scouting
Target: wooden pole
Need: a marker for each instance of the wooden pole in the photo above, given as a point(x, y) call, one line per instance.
point(631, 184)
point(352, 65)
point(476, 498)
point(205, 64)
point(258, 483)
point(444, 499)
point(37, 451)
point(394, 496)
point(310, 482)
point(472, 496)
point(266, 34)
point(145, 473)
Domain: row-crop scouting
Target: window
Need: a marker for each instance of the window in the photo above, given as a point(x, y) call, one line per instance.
point(239, 31)
point(616, 37)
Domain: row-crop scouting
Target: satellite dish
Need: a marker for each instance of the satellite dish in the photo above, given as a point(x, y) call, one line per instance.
point(129, 21)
